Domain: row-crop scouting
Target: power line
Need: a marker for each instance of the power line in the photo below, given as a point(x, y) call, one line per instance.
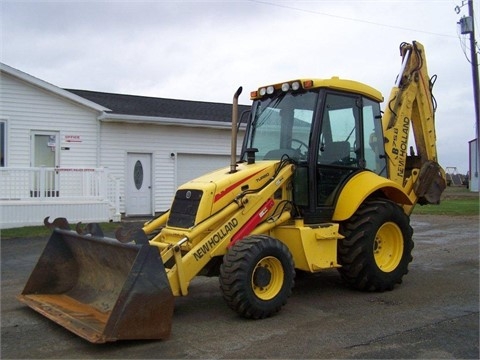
point(349, 18)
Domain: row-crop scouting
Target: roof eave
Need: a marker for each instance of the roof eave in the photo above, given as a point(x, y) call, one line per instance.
point(158, 120)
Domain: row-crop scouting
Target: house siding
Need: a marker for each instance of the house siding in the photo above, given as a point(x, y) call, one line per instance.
point(30, 105)
point(118, 139)
point(28, 108)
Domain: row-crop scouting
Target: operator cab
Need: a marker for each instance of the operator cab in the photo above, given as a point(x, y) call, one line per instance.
point(330, 129)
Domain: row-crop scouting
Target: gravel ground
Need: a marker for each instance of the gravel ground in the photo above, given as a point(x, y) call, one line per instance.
point(433, 314)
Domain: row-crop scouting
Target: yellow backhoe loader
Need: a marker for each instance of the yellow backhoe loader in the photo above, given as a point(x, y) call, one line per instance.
point(324, 181)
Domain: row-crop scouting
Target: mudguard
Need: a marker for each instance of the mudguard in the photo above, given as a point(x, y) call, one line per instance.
point(360, 186)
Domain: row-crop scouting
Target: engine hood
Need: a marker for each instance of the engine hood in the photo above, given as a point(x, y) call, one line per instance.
point(209, 193)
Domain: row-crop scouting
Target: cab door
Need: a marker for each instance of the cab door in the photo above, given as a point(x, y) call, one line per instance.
point(337, 154)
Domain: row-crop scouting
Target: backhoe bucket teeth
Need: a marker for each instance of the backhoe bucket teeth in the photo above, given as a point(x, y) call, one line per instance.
point(101, 289)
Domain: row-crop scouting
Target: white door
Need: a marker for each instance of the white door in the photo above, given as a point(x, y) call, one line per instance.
point(45, 155)
point(138, 197)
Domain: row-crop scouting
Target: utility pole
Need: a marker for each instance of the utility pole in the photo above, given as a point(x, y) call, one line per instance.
point(476, 87)
point(467, 26)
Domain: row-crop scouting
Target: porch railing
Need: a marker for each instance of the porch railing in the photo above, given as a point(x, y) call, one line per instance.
point(44, 183)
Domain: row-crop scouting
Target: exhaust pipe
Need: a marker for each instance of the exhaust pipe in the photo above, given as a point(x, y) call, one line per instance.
point(233, 152)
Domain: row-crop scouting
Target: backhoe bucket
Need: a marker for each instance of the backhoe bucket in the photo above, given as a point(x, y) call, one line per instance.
point(101, 289)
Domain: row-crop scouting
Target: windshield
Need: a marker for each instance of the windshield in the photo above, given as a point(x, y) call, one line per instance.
point(281, 125)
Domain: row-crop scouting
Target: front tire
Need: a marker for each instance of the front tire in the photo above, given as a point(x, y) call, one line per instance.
point(257, 276)
point(377, 248)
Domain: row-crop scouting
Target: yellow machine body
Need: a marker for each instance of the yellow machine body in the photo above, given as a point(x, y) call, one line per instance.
point(324, 181)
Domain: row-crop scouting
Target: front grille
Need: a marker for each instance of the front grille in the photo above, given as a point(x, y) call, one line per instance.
point(184, 208)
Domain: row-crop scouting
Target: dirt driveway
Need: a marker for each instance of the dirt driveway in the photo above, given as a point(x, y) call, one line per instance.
point(433, 314)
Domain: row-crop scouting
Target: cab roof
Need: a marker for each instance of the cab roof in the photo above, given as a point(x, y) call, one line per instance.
point(334, 83)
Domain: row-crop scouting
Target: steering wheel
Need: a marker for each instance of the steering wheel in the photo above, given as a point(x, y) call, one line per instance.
point(302, 144)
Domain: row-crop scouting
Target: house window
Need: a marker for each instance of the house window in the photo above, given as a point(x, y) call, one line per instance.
point(138, 175)
point(3, 143)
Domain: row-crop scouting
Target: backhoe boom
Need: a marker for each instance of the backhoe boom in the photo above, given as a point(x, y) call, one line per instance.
point(411, 104)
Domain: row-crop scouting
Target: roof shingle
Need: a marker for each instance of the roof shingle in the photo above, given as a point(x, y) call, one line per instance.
point(160, 107)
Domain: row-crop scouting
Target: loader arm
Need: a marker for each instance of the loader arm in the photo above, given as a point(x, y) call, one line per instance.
point(412, 105)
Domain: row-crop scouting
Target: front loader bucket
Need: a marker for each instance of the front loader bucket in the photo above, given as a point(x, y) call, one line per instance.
point(101, 289)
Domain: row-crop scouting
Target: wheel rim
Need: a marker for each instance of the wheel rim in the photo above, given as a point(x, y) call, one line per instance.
point(267, 278)
point(388, 247)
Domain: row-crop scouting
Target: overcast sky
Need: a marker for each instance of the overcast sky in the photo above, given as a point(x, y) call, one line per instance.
point(204, 50)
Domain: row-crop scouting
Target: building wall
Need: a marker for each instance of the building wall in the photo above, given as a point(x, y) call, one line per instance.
point(474, 179)
point(28, 108)
point(161, 141)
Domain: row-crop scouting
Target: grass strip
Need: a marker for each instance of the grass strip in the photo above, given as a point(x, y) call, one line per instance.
point(452, 207)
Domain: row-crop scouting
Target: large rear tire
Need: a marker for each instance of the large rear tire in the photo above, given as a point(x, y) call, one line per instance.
point(257, 276)
point(377, 248)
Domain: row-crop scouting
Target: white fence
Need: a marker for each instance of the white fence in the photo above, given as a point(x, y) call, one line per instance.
point(80, 194)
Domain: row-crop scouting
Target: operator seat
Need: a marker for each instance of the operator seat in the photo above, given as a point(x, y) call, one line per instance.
point(336, 152)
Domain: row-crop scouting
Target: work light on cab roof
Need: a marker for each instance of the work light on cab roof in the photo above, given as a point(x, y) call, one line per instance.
point(269, 90)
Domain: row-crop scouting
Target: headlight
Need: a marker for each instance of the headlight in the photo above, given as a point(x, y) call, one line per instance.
point(263, 91)
point(285, 87)
point(295, 85)
point(270, 90)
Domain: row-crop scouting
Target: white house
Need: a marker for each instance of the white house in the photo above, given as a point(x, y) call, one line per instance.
point(92, 156)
